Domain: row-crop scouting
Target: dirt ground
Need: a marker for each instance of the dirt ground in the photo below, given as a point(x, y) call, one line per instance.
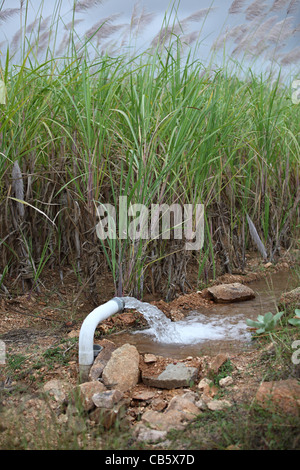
point(40, 333)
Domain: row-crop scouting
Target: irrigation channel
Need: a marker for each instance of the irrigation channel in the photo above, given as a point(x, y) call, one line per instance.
point(219, 328)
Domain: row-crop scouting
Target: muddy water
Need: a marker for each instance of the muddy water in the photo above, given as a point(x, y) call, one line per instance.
point(221, 328)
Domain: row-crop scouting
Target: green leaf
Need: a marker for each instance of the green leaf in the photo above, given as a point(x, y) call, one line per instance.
point(297, 312)
point(277, 316)
point(295, 321)
point(268, 317)
point(253, 323)
point(260, 330)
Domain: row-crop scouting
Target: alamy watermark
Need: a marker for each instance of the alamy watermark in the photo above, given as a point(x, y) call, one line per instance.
point(137, 221)
point(296, 93)
point(2, 352)
point(296, 354)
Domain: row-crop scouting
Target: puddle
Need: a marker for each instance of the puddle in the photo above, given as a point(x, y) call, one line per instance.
point(221, 328)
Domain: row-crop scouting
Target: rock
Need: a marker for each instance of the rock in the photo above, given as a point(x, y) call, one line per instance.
point(143, 395)
point(163, 421)
point(270, 349)
point(226, 293)
point(107, 399)
point(268, 265)
point(73, 334)
point(218, 405)
point(185, 406)
point(144, 434)
point(217, 362)
point(191, 396)
point(108, 417)
point(226, 381)
point(158, 404)
point(149, 358)
point(284, 395)
point(233, 447)
point(86, 392)
point(207, 388)
point(292, 297)
point(122, 369)
point(173, 376)
point(201, 404)
point(204, 384)
point(58, 389)
point(102, 359)
point(194, 398)
point(180, 411)
point(127, 319)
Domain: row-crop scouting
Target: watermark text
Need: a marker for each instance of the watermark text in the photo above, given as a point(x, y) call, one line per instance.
point(137, 221)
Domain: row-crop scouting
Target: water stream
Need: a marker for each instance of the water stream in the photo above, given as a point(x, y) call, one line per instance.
point(221, 327)
point(161, 328)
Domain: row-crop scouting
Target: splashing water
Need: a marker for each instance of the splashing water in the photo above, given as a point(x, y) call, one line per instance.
point(164, 330)
point(220, 324)
point(195, 328)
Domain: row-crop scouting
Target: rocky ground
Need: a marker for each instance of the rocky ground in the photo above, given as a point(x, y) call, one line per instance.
point(44, 403)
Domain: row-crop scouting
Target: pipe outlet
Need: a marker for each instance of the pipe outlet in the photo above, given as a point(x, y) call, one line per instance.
point(88, 327)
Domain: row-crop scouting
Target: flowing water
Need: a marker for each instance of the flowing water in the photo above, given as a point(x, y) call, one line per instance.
point(220, 328)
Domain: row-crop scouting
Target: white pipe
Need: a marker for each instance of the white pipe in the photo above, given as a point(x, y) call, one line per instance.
point(88, 327)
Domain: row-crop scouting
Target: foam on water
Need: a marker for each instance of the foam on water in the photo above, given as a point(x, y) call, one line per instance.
point(220, 327)
point(195, 328)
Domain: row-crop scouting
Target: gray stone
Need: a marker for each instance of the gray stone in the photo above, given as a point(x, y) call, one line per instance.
point(174, 376)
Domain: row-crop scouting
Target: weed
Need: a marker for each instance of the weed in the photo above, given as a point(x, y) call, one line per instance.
point(265, 323)
point(241, 427)
point(15, 361)
point(225, 370)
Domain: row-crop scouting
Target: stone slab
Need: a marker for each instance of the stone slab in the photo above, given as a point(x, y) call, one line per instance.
point(174, 376)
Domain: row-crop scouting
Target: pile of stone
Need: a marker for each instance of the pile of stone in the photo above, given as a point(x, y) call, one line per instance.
point(150, 393)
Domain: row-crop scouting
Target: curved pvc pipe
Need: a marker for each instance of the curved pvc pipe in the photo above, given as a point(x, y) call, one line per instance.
point(88, 327)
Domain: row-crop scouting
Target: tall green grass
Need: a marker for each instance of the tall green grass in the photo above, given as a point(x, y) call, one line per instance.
point(159, 128)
